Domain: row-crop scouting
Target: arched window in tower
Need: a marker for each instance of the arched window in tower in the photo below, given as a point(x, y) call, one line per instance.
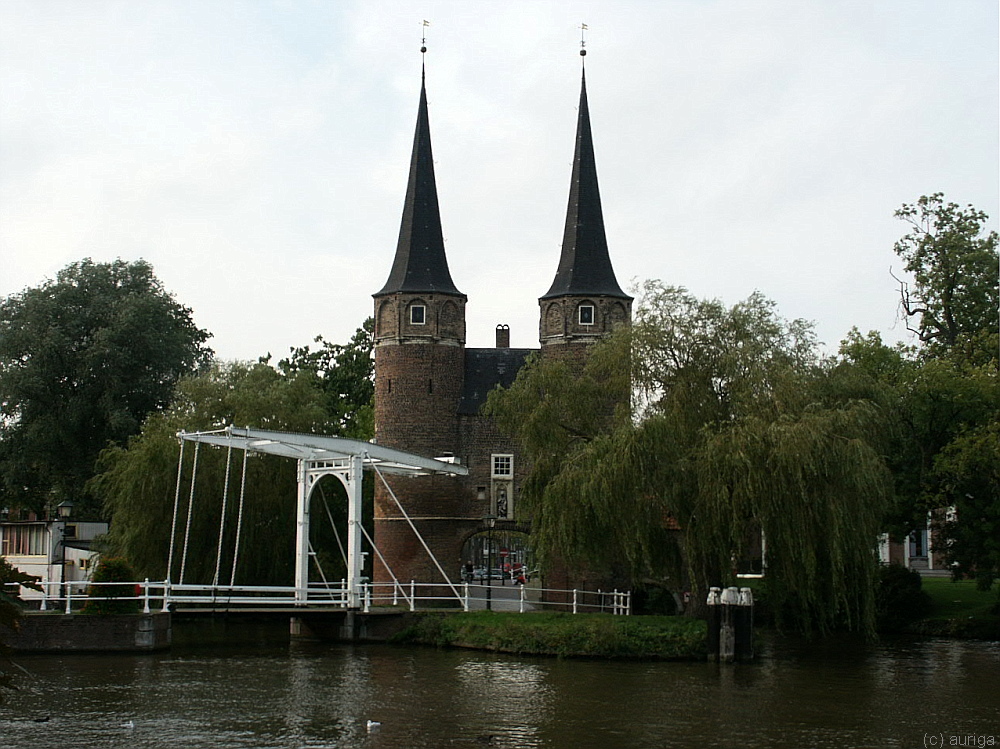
point(619, 315)
point(449, 319)
point(418, 314)
point(587, 314)
point(553, 320)
point(386, 323)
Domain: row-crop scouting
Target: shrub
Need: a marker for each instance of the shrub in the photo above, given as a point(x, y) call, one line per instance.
point(106, 585)
point(901, 598)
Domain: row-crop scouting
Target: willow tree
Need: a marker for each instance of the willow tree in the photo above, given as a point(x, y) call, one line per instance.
point(731, 431)
point(138, 482)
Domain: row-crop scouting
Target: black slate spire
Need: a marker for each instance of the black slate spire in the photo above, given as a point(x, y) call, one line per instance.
point(585, 265)
point(420, 265)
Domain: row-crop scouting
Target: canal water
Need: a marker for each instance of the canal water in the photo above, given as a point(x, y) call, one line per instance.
point(261, 693)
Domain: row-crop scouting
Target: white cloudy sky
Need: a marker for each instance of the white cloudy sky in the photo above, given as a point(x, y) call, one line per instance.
point(256, 152)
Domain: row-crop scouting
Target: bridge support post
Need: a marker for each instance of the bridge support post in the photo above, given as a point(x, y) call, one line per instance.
point(302, 535)
point(354, 557)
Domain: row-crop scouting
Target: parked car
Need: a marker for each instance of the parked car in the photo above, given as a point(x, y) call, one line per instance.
point(479, 574)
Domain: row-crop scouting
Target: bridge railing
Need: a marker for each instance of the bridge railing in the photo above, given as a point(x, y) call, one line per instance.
point(501, 598)
point(70, 596)
point(253, 595)
point(150, 596)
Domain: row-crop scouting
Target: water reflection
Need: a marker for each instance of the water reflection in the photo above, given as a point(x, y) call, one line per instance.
point(509, 694)
point(838, 694)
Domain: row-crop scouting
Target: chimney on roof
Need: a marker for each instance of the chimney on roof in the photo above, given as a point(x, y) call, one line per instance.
point(503, 336)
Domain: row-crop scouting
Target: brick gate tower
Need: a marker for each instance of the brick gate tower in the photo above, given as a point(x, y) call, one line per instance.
point(419, 371)
point(429, 387)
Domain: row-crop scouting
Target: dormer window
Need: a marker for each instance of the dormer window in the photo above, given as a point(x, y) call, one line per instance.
point(418, 314)
point(586, 314)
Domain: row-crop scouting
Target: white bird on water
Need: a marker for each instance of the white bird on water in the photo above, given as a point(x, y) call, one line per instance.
point(373, 725)
point(128, 724)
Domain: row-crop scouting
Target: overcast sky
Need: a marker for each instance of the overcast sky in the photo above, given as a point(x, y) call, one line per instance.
point(256, 153)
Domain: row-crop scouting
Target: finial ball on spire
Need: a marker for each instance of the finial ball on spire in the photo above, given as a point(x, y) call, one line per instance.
point(583, 53)
point(423, 50)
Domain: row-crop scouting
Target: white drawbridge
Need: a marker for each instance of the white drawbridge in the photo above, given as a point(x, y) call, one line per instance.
point(317, 456)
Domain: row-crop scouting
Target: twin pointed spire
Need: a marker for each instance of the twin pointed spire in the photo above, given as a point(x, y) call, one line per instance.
point(420, 264)
point(584, 265)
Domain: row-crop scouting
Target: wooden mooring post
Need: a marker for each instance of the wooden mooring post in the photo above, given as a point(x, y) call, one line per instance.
point(730, 624)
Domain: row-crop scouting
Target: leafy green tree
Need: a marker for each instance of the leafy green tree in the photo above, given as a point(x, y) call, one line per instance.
point(138, 483)
point(942, 397)
point(941, 414)
point(867, 369)
point(968, 474)
point(954, 297)
point(83, 360)
point(729, 434)
point(347, 373)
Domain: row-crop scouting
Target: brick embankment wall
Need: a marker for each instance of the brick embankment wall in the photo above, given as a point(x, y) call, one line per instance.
point(53, 632)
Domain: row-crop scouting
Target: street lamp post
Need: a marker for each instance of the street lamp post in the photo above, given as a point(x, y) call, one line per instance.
point(490, 520)
point(63, 510)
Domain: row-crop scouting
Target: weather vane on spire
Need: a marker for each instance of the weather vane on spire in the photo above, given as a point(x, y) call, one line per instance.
point(423, 37)
point(583, 40)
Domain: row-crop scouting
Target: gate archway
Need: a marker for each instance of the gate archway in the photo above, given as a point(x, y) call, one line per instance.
point(502, 553)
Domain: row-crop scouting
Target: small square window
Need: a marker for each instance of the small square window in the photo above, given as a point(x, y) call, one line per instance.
point(418, 314)
point(586, 314)
point(503, 466)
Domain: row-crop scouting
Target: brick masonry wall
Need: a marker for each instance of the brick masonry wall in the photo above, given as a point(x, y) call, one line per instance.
point(52, 632)
point(448, 508)
point(418, 387)
point(480, 440)
point(559, 318)
point(409, 560)
point(572, 353)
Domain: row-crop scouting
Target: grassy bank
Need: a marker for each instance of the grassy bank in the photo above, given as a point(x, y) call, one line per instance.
point(563, 635)
point(959, 609)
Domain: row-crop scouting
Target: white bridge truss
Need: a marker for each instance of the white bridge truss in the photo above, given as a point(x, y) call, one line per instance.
point(318, 456)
